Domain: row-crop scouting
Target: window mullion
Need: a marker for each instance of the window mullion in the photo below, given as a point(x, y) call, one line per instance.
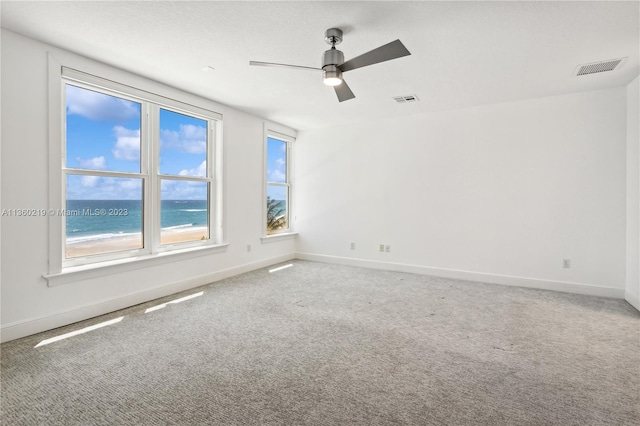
point(106, 173)
point(152, 197)
point(185, 178)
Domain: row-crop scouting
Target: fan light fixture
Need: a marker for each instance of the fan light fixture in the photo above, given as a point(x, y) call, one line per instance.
point(332, 81)
point(332, 76)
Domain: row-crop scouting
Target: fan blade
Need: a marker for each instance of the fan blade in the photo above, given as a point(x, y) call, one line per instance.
point(271, 64)
point(389, 51)
point(343, 91)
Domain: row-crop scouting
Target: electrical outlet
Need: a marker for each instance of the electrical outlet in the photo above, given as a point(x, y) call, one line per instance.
point(353, 246)
point(387, 248)
point(566, 263)
point(381, 247)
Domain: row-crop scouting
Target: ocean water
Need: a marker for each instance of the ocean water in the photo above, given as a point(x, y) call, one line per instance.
point(99, 219)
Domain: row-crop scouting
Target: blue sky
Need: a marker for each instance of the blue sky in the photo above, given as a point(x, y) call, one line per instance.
point(103, 133)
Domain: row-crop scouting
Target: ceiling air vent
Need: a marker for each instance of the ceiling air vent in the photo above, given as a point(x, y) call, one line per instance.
point(602, 66)
point(406, 99)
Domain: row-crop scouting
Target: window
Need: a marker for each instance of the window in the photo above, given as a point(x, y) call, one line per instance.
point(103, 175)
point(138, 172)
point(278, 185)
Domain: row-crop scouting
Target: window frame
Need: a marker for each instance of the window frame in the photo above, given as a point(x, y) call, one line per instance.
point(289, 138)
point(59, 77)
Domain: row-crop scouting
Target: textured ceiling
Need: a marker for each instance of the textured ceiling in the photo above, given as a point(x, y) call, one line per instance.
point(463, 53)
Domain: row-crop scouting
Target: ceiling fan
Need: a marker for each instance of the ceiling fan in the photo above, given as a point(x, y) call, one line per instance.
point(333, 64)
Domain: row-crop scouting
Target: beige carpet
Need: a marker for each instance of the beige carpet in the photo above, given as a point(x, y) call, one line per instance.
point(323, 344)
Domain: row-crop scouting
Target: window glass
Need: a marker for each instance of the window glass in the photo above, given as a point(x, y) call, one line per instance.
point(184, 211)
point(183, 144)
point(276, 161)
point(103, 215)
point(277, 208)
point(102, 131)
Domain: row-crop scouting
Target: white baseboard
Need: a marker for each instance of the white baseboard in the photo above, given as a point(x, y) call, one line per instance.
point(633, 299)
point(31, 326)
point(567, 287)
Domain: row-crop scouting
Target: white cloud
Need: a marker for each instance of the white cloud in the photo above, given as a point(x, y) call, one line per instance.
point(280, 173)
point(131, 184)
point(97, 106)
point(89, 181)
point(127, 145)
point(103, 188)
point(191, 139)
point(201, 170)
point(111, 188)
point(183, 190)
point(166, 185)
point(96, 163)
point(276, 176)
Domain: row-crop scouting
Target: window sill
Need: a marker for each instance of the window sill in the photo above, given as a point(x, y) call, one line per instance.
point(95, 270)
point(278, 237)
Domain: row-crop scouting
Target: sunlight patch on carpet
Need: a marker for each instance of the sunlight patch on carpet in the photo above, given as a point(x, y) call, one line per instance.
point(280, 268)
point(77, 332)
point(182, 299)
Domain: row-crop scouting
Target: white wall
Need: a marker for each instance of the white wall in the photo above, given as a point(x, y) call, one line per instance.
point(28, 305)
point(500, 193)
point(632, 293)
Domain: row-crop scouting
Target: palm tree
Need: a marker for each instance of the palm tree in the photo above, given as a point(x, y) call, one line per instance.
point(276, 215)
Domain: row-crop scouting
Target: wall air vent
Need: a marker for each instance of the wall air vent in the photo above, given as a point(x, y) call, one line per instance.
point(602, 66)
point(406, 99)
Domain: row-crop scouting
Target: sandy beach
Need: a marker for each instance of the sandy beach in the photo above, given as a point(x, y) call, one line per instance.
point(131, 242)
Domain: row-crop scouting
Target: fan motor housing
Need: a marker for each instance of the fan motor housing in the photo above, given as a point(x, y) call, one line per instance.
point(332, 57)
